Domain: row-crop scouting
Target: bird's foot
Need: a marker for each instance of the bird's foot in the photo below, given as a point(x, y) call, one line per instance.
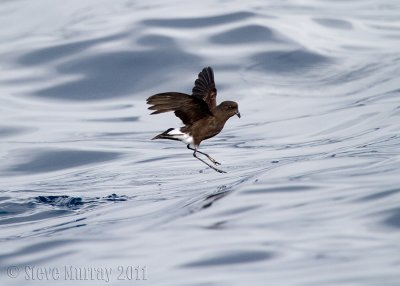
point(216, 163)
point(218, 170)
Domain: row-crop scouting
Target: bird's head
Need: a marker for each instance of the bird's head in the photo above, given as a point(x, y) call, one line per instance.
point(230, 108)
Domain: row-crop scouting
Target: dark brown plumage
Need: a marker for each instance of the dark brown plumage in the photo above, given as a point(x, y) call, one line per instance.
point(199, 112)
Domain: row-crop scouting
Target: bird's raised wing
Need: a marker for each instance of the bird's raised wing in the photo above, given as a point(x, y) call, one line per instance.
point(204, 87)
point(188, 108)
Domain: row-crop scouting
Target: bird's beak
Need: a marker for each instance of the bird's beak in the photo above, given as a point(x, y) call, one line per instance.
point(238, 114)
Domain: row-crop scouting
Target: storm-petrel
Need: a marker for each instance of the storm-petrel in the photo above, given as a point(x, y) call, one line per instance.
point(199, 112)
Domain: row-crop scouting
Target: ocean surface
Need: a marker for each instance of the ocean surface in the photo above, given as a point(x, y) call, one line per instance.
point(312, 190)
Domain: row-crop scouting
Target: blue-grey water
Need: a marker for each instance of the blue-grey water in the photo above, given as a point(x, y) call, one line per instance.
point(312, 190)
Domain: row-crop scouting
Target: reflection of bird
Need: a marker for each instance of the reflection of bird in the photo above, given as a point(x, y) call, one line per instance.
point(202, 117)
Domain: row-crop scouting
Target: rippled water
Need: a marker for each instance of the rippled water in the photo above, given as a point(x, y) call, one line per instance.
point(312, 192)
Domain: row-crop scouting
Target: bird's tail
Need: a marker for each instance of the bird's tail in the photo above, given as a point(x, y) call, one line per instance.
point(165, 135)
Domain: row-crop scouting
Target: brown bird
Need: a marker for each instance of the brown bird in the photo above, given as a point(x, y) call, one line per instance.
point(199, 112)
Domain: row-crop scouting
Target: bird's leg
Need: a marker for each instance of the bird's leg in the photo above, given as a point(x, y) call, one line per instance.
point(208, 156)
point(211, 166)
